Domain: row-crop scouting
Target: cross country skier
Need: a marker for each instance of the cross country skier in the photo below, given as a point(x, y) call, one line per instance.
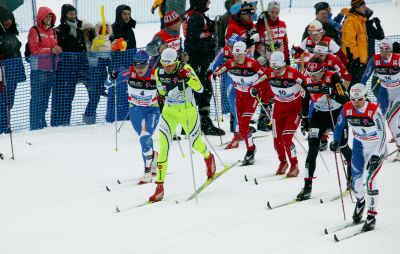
point(326, 91)
point(144, 111)
point(177, 81)
point(286, 84)
point(387, 66)
point(244, 71)
point(368, 126)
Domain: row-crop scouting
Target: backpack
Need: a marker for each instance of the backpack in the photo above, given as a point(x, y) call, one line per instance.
point(27, 49)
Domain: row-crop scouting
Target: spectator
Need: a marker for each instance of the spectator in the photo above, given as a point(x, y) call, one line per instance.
point(42, 43)
point(355, 39)
point(99, 59)
point(322, 11)
point(71, 66)
point(201, 45)
point(160, 4)
point(223, 23)
point(178, 6)
point(167, 37)
point(124, 25)
point(88, 34)
point(11, 64)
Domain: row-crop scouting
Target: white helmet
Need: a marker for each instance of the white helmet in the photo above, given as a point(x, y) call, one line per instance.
point(277, 60)
point(169, 56)
point(315, 27)
point(239, 48)
point(358, 91)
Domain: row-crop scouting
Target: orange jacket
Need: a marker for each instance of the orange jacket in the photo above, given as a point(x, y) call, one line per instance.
point(157, 4)
point(355, 38)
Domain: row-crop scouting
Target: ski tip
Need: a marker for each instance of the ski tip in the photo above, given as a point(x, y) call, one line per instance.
point(321, 201)
point(336, 238)
point(255, 181)
point(269, 205)
point(117, 209)
point(245, 178)
point(118, 181)
point(326, 231)
point(108, 189)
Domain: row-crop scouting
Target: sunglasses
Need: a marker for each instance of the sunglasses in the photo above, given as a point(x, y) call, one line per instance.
point(140, 65)
point(357, 99)
point(315, 32)
point(277, 68)
point(387, 49)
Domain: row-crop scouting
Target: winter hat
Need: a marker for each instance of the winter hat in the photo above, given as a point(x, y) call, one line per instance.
point(277, 60)
point(274, 4)
point(321, 6)
point(358, 91)
point(315, 27)
point(357, 3)
point(239, 48)
point(385, 43)
point(171, 18)
point(169, 56)
point(315, 65)
point(233, 39)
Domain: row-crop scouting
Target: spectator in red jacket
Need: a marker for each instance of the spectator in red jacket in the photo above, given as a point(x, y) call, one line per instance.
point(42, 41)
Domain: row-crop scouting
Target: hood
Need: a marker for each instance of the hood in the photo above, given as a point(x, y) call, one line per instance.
point(6, 14)
point(42, 12)
point(345, 11)
point(64, 10)
point(87, 25)
point(99, 25)
point(198, 5)
point(118, 12)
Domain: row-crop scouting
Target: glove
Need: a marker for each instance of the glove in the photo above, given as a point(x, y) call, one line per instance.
point(294, 50)
point(184, 73)
point(262, 60)
point(252, 38)
point(305, 124)
point(376, 20)
point(334, 146)
point(326, 89)
point(253, 92)
point(114, 75)
point(152, 10)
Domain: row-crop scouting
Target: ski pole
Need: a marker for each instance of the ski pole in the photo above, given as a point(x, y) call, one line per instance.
point(336, 160)
point(123, 121)
point(320, 155)
point(8, 110)
point(115, 115)
point(180, 147)
point(215, 152)
point(216, 111)
point(345, 174)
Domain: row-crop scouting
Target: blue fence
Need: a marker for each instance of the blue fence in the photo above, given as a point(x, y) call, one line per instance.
point(69, 90)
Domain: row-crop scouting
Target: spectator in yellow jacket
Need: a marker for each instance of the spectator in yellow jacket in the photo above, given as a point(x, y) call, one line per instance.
point(161, 5)
point(355, 39)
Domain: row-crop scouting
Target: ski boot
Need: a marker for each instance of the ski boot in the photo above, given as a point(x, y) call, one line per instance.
point(293, 171)
point(153, 164)
point(323, 145)
point(305, 193)
point(369, 223)
point(159, 193)
point(249, 157)
point(208, 128)
point(235, 142)
point(358, 211)
point(210, 164)
point(283, 165)
point(147, 177)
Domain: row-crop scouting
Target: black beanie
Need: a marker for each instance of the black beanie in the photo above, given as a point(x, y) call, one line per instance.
point(321, 6)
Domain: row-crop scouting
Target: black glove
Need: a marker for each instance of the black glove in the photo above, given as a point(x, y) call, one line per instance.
point(114, 75)
point(376, 20)
point(334, 146)
point(305, 124)
point(210, 25)
point(152, 10)
point(326, 89)
point(253, 92)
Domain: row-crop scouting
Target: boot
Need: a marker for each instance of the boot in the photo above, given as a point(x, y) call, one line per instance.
point(231, 120)
point(153, 164)
point(358, 211)
point(323, 145)
point(235, 142)
point(305, 193)
point(158, 194)
point(146, 178)
point(369, 223)
point(249, 157)
point(293, 171)
point(208, 128)
point(210, 164)
point(283, 165)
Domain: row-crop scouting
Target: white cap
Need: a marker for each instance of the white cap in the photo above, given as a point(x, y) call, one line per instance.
point(358, 91)
point(315, 26)
point(239, 48)
point(386, 42)
point(319, 49)
point(274, 4)
point(277, 60)
point(169, 56)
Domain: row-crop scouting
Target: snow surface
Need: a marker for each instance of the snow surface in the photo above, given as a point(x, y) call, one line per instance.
point(53, 196)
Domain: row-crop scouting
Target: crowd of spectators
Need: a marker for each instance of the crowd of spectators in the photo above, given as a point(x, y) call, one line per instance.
point(79, 52)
